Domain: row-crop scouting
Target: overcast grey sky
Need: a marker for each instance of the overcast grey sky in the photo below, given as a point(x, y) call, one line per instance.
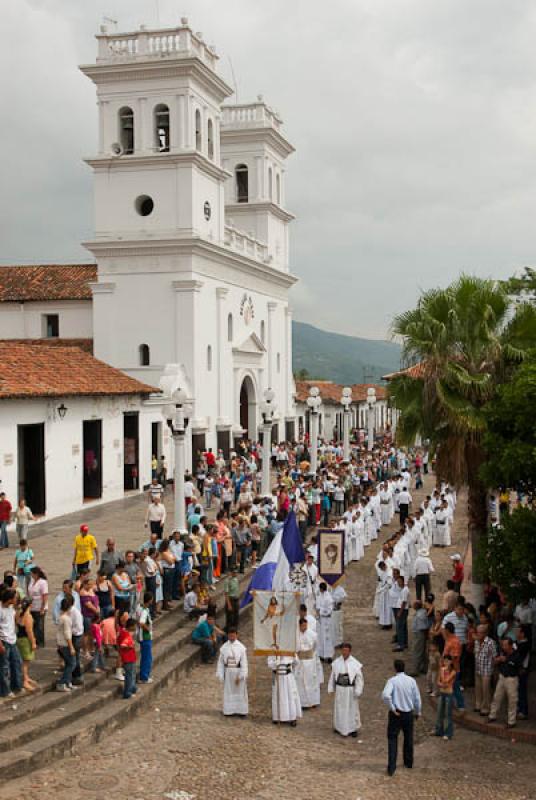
point(414, 123)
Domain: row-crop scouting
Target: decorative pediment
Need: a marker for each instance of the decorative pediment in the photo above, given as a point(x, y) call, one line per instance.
point(251, 346)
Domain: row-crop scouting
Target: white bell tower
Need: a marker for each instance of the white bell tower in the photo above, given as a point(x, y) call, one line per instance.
point(157, 172)
point(254, 151)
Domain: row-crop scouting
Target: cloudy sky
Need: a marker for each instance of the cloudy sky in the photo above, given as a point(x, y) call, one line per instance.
point(414, 123)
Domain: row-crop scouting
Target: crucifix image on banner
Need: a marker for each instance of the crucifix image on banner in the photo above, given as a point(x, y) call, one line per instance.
point(274, 623)
point(330, 555)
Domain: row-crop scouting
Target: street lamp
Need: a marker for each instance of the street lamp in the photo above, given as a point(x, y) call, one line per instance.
point(268, 415)
point(346, 401)
point(371, 403)
point(175, 419)
point(314, 401)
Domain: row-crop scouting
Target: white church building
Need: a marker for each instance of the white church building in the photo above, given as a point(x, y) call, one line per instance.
point(192, 273)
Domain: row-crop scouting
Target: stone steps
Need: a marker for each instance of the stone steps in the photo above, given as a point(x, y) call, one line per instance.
point(41, 727)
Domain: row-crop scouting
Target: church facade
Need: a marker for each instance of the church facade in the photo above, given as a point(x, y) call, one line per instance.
point(189, 290)
point(191, 233)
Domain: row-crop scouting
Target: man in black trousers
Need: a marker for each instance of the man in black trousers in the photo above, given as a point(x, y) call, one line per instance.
point(401, 694)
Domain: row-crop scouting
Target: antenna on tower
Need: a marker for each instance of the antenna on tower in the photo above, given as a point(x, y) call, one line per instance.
point(110, 21)
point(234, 79)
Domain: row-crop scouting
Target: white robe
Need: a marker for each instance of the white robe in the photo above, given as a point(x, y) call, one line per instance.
point(286, 706)
point(442, 528)
point(311, 587)
point(382, 605)
point(324, 606)
point(346, 717)
point(385, 505)
point(309, 674)
point(338, 596)
point(233, 664)
point(359, 527)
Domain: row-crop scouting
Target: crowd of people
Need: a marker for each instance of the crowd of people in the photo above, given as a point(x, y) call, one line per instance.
point(105, 611)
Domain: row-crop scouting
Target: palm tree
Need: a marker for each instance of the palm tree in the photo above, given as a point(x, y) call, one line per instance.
point(466, 339)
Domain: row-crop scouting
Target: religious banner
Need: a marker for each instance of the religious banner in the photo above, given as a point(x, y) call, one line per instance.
point(330, 555)
point(274, 622)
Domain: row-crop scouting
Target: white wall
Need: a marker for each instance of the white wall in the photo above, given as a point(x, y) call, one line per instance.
point(25, 320)
point(64, 446)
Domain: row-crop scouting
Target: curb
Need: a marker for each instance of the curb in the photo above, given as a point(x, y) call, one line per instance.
point(479, 725)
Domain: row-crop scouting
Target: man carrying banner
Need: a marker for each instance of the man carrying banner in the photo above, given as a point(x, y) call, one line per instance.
point(232, 670)
point(286, 705)
point(308, 670)
point(346, 680)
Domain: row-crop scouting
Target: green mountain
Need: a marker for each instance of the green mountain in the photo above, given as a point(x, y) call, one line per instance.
point(343, 359)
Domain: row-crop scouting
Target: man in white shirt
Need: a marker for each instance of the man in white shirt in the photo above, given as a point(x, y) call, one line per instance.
point(401, 695)
point(423, 569)
point(402, 616)
point(156, 516)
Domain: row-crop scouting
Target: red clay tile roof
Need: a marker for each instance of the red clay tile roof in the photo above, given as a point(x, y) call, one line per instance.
point(83, 344)
point(30, 370)
point(46, 282)
point(416, 371)
point(331, 392)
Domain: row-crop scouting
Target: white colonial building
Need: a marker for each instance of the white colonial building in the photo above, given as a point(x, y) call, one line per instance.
point(191, 247)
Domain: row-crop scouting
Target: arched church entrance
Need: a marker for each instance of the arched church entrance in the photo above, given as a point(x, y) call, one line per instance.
point(248, 408)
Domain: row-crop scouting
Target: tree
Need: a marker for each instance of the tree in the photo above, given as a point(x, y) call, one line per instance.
point(508, 554)
point(510, 439)
point(464, 341)
point(523, 286)
point(301, 374)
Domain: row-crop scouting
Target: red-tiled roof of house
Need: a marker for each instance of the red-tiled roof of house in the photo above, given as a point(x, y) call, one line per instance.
point(415, 371)
point(83, 344)
point(331, 392)
point(38, 282)
point(31, 370)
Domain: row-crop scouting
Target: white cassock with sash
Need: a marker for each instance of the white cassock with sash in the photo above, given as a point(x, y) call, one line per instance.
point(359, 527)
point(324, 606)
point(309, 673)
point(346, 680)
point(286, 706)
point(350, 542)
point(233, 664)
point(442, 528)
point(338, 595)
point(385, 504)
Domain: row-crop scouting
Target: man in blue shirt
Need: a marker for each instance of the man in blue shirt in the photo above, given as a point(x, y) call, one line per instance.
point(206, 634)
point(401, 694)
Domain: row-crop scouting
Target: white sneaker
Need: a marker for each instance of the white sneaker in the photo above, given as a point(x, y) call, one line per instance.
point(149, 680)
point(119, 675)
point(61, 687)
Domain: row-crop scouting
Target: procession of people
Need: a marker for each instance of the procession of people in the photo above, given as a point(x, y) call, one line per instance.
point(371, 492)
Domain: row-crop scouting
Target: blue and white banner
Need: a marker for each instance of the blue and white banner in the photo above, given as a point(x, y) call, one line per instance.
point(285, 551)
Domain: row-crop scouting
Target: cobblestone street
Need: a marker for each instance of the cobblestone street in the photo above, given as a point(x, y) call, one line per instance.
point(183, 744)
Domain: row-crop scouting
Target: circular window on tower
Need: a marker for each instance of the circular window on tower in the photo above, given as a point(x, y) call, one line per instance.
point(207, 210)
point(144, 205)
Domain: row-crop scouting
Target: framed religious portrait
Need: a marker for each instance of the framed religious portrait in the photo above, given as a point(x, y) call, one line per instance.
point(274, 622)
point(330, 555)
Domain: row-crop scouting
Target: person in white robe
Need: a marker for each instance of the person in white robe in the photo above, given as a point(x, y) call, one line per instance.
point(382, 601)
point(350, 542)
point(346, 681)
point(385, 504)
point(286, 706)
point(359, 528)
point(324, 607)
point(338, 596)
point(376, 512)
point(309, 673)
point(311, 621)
point(232, 670)
point(311, 585)
point(442, 527)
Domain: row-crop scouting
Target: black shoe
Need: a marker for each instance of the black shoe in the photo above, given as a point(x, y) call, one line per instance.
point(390, 773)
point(354, 734)
point(293, 723)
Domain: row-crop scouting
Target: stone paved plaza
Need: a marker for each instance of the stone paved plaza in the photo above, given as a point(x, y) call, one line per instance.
point(183, 744)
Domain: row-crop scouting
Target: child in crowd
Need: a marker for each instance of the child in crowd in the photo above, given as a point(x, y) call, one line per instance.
point(445, 682)
point(433, 668)
point(109, 635)
point(127, 654)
